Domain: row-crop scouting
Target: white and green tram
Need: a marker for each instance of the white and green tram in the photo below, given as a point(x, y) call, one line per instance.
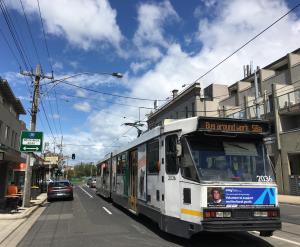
point(196, 174)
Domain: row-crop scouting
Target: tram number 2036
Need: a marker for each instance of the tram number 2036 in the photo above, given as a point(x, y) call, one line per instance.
point(264, 179)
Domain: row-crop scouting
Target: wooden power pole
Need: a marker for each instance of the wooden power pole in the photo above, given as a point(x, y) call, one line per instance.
point(34, 109)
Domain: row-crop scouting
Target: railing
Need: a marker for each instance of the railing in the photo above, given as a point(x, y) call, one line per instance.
point(289, 99)
point(282, 77)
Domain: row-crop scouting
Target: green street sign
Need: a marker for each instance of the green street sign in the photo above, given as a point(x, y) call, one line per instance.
point(31, 141)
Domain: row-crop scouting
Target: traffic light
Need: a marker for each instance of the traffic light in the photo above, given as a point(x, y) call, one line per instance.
point(73, 156)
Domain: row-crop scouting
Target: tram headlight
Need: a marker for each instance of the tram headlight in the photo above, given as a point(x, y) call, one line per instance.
point(217, 214)
point(227, 214)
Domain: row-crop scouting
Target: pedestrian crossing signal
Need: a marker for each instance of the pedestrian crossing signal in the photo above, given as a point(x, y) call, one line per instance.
point(73, 156)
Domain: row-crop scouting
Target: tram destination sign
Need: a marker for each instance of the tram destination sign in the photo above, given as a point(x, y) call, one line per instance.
point(31, 141)
point(232, 125)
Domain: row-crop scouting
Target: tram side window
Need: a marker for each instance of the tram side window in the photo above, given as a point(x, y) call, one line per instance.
point(121, 163)
point(171, 155)
point(188, 169)
point(99, 170)
point(153, 157)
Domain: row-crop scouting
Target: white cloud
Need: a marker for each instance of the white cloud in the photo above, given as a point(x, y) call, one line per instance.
point(81, 93)
point(150, 35)
point(55, 116)
point(84, 23)
point(82, 106)
point(136, 67)
point(58, 66)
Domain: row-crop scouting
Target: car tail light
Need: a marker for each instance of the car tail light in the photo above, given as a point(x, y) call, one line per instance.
point(273, 213)
point(50, 189)
point(69, 188)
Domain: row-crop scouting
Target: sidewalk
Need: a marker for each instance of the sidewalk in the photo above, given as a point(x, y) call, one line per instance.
point(10, 222)
point(289, 199)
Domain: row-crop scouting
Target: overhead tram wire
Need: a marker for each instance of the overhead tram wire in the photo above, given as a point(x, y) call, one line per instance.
point(110, 94)
point(111, 102)
point(249, 41)
point(44, 35)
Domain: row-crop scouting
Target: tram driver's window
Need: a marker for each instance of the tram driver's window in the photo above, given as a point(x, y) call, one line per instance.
point(153, 157)
point(171, 155)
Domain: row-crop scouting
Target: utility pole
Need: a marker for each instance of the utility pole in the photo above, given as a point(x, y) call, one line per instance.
point(256, 94)
point(34, 109)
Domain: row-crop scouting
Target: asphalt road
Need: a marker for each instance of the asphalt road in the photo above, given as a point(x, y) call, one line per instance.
point(89, 220)
point(290, 213)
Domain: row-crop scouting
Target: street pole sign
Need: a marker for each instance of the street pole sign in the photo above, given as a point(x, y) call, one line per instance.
point(31, 141)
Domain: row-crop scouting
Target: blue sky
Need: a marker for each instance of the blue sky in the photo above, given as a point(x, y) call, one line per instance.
point(157, 45)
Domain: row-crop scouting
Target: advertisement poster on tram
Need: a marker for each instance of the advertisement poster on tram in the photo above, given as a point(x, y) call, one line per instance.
point(240, 197)
point(142, 172)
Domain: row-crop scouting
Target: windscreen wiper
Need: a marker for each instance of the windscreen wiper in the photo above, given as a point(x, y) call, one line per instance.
point(238, 146)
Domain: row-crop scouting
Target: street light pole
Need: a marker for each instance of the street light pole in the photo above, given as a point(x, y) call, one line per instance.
point(34, 109)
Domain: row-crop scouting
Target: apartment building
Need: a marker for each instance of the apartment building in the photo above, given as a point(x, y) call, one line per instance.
point(278, 100)
point(11, 160)
point(191, 102)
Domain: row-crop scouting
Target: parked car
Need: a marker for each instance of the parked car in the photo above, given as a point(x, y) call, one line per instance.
point(89, 181)
point(60, 189)
point(93, 183)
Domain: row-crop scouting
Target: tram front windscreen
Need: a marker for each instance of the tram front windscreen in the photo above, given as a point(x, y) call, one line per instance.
point(228, 159)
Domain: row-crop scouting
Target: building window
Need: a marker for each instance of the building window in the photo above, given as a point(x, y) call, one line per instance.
point(6, 134)
point(171, 155)
point(186, 112)
point(153, 164)
point(294, 160)
point(16, 141)
point(193, 110)
point(177, 115)
point(12, 138)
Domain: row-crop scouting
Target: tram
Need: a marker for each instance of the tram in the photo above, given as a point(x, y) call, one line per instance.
point(196, 174)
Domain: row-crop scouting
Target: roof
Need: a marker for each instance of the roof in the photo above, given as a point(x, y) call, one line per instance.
point(162, 108)
point(10, 97)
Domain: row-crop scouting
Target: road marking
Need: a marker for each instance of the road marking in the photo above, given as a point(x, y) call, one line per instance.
point(107, 211)
point(286, 240)
point(282, 239)
point(86, 192)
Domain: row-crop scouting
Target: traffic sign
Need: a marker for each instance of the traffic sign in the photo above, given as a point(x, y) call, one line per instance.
point(31, 141)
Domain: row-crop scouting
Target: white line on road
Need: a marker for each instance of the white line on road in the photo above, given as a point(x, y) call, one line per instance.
point(86, 192)
point(282, 239)
point(107, 211)
point(286, 240)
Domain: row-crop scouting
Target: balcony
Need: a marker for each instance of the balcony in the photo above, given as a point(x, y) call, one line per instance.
point(289, 104)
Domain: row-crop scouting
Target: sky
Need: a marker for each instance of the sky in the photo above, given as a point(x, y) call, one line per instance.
point(157, 45)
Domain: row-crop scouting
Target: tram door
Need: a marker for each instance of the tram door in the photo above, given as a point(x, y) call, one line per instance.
point(133, 171)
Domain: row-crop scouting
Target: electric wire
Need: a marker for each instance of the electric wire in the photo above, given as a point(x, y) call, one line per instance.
point(30, 33)
point(106, 101)
point(44, 35)
point(110, 94)
point(249, 41)
point(43, 108)
point(58, 112)
point(15, 36)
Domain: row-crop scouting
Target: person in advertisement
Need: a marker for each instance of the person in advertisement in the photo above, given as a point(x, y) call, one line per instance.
point(216, 197)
